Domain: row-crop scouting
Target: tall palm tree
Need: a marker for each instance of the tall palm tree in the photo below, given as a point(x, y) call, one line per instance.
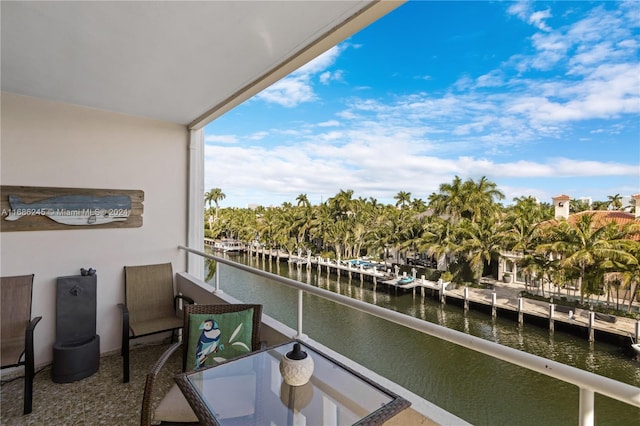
point(438, 239)
point(615, 201)
point(341, 203)
point(403, 199)
point(214, 195)
point(303, 200)
point(451, 199)
point(481, 197)
point(480, 242)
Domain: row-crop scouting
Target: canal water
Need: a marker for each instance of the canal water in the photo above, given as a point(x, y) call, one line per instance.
point(477, 388)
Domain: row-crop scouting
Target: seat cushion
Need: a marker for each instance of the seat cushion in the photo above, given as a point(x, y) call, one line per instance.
point(156, 325)
point(214, 338)
point(174, 408)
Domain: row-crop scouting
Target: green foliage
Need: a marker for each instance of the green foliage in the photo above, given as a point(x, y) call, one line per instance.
point(446, 276)
point(463, 227)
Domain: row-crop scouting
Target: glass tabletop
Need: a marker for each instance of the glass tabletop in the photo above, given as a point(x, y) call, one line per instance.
point(251, 390)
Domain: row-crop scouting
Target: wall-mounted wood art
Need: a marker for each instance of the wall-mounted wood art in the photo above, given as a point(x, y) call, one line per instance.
point(32, 208)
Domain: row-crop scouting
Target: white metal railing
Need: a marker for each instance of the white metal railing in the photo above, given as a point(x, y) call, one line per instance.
point(589, 383)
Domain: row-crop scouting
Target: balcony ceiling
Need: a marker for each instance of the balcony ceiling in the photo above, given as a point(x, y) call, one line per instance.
point(182, 62)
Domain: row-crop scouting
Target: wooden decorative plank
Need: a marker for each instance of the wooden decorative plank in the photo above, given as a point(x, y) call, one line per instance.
point(31, 208)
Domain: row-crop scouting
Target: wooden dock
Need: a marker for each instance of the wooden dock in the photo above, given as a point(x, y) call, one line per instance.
point(499, 299)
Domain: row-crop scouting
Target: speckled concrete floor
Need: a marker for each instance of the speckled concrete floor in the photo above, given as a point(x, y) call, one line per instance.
point(101, 399)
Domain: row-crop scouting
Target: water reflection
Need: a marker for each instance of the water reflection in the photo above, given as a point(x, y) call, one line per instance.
point(480, 389)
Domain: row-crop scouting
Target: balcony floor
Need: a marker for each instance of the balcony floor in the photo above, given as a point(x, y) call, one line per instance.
point(101, 399)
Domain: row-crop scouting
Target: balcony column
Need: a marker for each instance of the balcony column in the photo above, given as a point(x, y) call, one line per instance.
point(586, 407)
point(195, 209)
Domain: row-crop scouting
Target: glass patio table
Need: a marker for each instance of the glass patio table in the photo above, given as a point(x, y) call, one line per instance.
point(250, 390)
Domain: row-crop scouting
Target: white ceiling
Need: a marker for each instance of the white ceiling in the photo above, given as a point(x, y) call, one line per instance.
point(183, 62)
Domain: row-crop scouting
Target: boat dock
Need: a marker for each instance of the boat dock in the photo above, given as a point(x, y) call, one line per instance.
point(497, 299)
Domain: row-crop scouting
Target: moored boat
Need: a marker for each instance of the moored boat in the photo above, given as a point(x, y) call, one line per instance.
point(228, 245)
point(406, 280)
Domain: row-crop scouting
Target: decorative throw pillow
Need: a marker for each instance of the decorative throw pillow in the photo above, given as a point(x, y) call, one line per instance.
point(214, 338)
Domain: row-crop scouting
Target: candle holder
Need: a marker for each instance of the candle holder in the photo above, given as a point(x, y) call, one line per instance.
point(296, 366)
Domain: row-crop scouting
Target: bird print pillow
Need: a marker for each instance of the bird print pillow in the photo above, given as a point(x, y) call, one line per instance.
point(214, 338)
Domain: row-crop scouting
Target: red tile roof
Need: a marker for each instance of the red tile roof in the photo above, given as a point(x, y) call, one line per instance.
point(601, 218)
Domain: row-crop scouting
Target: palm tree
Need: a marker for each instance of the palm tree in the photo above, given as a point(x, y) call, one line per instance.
point(451, 199)
point(615, 201)
point(578, 206)
point(403, 199)
point(468, 199)
point(481, 197)
point(631, 275)
point(438, 238)
point(214, 195)
point(587, 248)
point(341, 203)
point(418, 205)
point(480, 242)
point(302, 199)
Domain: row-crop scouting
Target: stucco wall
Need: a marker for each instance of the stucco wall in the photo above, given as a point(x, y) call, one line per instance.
point(51, 144)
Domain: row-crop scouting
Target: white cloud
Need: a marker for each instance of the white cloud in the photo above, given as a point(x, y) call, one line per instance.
point(226, 139)
point(329, 123)
point(537, 19)
point(297, 88)
point(523, 10)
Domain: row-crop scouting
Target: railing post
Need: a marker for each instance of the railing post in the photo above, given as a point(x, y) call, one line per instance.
point(300, 335)
point(217, 287)
point(586, 407)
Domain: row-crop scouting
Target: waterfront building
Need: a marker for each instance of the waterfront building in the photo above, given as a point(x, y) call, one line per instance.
point(508, 264)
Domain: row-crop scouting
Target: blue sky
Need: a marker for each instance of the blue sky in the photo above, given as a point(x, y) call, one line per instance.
point(543, 98)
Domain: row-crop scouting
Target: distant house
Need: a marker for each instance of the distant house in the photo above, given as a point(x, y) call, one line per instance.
point(508, 261)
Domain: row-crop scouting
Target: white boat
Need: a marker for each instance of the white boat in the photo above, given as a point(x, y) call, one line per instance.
point(228, 245)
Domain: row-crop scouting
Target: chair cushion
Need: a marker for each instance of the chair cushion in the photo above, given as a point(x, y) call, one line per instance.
point(214, 338)
point(174, 408)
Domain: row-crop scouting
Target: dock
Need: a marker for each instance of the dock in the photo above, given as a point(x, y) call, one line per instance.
point(498, 298)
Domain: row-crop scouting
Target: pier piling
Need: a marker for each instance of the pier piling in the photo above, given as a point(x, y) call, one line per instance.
point(466, 298)
point(551, 311)
point(592, 316)
point(520, 309)
point(493, 304)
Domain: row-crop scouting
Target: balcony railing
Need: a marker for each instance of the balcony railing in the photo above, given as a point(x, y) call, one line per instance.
point(588, 383)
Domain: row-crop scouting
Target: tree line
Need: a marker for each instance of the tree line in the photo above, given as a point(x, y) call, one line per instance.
point(463, 223)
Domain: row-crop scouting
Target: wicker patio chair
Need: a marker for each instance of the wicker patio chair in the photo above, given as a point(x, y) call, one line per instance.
point(16, 346)
point(174, 399)
point(151, 305)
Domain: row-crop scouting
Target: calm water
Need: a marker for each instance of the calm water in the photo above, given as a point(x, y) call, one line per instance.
point(475, 387)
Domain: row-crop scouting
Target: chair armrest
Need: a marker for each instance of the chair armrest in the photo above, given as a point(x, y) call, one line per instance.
point(183, 297)
point(147, 398)
point(123, 308)
point(33, 323)
point(28, 342)
point(125, 319)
